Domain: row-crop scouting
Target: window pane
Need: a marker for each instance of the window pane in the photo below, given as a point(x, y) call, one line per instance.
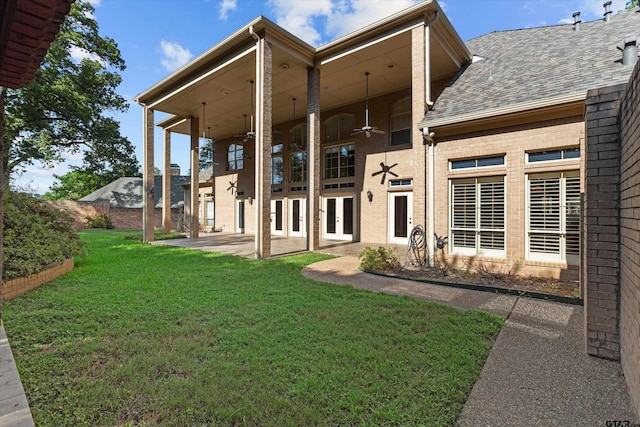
point(400, 137)
point(544, 156)
point(463, 164)
point(332, 129)
point(491, 161)
point(277, 170)
point(277, 148)
point(544, 208)
point(572, 153)
point(572, 214)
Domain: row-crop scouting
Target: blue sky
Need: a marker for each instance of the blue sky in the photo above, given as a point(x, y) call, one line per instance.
point(156, 37)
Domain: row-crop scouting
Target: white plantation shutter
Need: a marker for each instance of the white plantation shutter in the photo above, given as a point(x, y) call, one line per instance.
point(477, 216)
point(572, 215)
point(554, 216)
point(463, 213)
point(491, 214)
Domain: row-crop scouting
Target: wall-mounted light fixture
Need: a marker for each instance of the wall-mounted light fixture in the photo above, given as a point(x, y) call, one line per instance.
point(369, 196)
point(151, 191)
point(250, 199)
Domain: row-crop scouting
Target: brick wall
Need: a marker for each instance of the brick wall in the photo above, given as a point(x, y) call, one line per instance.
point(630, 236)
point(16, 287)
point(611, 252)
point(122, 218)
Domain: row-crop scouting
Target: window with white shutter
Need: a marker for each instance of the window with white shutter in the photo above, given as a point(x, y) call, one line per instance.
point(553, 217)
point(477, 216)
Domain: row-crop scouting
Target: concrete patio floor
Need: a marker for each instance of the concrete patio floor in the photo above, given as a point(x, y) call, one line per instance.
point(244, 245)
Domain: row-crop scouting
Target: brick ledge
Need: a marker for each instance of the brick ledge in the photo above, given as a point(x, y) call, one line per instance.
point(16, 287)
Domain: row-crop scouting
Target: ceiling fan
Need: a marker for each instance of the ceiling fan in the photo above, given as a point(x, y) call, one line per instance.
point(250, 134)
point(207, 148)
point(367, 129)
point(385, 170)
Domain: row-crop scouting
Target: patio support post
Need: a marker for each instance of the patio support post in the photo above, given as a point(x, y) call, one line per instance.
point(194, 227)
point(313, 160)
point(419, 105)
point(148, 203)
point(262, 155)
point(166, 182)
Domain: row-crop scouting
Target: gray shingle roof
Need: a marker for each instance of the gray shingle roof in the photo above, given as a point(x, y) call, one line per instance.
point(534, 66)
point(127, 192)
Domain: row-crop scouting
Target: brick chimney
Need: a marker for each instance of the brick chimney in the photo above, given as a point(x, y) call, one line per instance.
point(175, 169)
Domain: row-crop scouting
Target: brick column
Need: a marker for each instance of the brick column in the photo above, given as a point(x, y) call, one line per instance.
point(194, 229)
point(148, 209)
point(166, 182)
point(262, 175)
point(313, 160)
point(601, 231)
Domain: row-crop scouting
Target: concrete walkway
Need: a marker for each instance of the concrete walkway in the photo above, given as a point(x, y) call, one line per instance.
point(538, 372)
point(14, 407)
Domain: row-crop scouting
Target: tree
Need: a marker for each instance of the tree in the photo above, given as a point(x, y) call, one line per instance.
point(632, 4)
point(63, 109)
point(206, 157)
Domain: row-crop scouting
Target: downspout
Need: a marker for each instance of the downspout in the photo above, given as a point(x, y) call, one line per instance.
point(430, 153)
point(427, 59)
point(429, 219)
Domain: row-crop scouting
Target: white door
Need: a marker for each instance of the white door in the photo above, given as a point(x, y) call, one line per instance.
point(400, 217)
point(338, 217)
point(239, 216)
point(297, 217)
point(276, 217)
point(209, 215)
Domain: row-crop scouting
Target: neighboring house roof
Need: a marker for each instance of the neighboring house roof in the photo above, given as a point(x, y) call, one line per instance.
point(127, 192)
point(27, 28)
point(519, 70)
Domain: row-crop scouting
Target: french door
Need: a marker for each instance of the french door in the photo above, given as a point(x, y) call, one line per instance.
point(297, 217)
point(276, 217)
point(400, 217)
point(239, 216)
point(338, 218)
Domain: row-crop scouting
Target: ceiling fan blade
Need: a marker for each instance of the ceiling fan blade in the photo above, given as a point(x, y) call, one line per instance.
point(393, 165)
point(377, 173)
point(393, 174)
point(384, 176)
point(378, 131)
point(382, 165)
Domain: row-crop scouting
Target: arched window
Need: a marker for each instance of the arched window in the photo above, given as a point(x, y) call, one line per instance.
point(235, 157)
point(298, 137)
point(339, 127)
point(400, 120)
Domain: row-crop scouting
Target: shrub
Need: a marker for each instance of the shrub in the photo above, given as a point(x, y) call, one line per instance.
point(381, 259)
point(35, 236)
point(98, 221)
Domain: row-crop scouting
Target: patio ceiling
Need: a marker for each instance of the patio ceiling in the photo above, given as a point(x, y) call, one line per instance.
point(220, 77)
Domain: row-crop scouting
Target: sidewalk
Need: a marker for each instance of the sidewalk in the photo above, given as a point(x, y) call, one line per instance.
point(538, 372)
point(14, 408)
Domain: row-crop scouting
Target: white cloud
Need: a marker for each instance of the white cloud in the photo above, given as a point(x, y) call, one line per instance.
point(95, 3)
point(335, 17)
point(227, 6)
point(78, 54)
point(174, 56)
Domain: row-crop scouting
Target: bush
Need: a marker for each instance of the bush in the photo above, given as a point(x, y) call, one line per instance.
point(98, 221)
point(35, 236)
point(381, 259)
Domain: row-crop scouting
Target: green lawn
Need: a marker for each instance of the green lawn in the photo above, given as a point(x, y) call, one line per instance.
point(141, 334)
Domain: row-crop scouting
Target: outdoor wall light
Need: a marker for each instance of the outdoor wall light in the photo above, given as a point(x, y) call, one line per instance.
point(369, 196)
point(151, 191)
point(250, 199)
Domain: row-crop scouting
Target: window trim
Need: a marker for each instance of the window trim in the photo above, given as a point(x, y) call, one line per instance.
point(477, 229)
point(562, 232)
point(238, 158)
point(349, 129)
point(391, 117)
point(339, 168)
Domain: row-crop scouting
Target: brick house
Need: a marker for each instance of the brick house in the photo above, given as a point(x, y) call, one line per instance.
point(401, 123)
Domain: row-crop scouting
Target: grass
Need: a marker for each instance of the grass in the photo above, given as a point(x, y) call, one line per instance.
point(143, 335)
